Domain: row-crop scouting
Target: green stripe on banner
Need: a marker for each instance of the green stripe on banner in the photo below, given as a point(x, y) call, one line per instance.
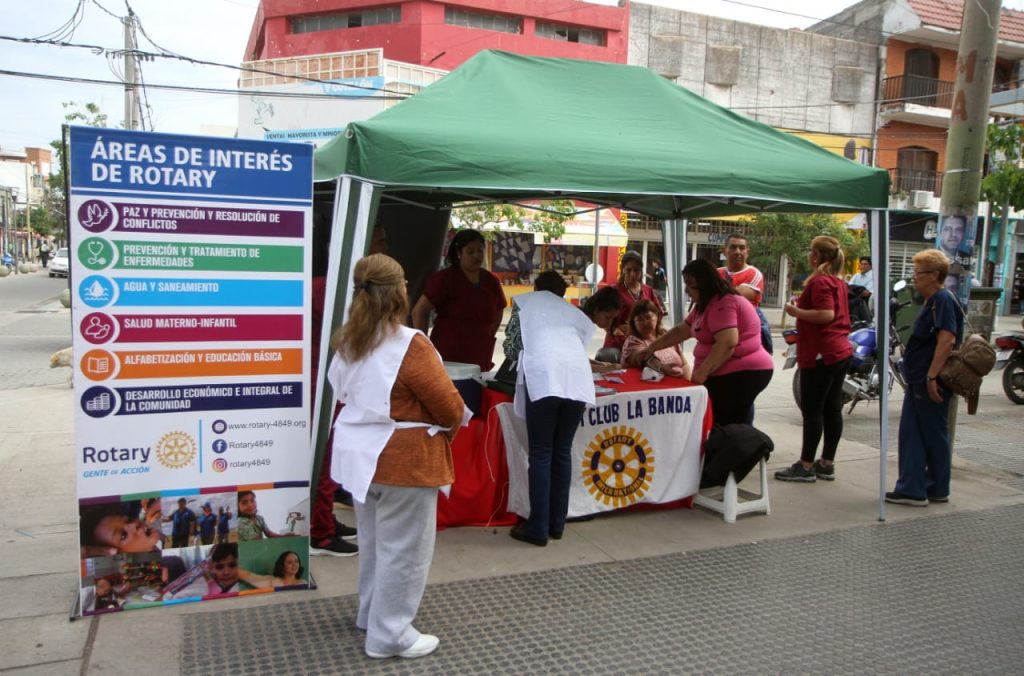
point(140, 496)
point(204, 256)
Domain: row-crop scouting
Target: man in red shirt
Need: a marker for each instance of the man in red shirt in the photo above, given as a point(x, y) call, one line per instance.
point(746, 279)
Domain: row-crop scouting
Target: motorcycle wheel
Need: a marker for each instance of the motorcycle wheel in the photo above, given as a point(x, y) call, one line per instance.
point(1013, 381)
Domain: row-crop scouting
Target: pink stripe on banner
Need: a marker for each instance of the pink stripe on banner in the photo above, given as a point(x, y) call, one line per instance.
point(175, 219)
point(214, 328)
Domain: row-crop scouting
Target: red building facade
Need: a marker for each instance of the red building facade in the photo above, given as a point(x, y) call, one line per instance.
point(439, 34)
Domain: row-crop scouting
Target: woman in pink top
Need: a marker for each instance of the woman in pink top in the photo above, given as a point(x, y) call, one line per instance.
point(729, 359)
point(823, 354)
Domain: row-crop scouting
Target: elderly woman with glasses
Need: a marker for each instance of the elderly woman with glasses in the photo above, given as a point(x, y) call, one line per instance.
point(392, 451)
point(924, 452)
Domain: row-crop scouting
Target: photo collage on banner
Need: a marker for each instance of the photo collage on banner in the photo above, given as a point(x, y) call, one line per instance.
point(190, 278)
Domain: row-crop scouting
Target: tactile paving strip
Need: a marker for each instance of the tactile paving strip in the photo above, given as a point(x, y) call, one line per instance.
point(932, 595)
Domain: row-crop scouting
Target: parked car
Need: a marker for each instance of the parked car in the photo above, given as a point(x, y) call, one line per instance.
point(59, 263)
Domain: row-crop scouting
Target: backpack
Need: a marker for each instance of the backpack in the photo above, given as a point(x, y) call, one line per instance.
point(735, 448)
point(964, 369)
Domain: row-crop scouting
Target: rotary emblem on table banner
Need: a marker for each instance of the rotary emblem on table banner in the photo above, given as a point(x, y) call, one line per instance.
point(618, 466)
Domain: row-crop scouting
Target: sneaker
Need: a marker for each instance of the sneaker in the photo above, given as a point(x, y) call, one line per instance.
point(334, 547)
point(796, 472)
point(423, 646)
point(938, 498)
point(823, 471)
point(898, 498)
point(343, 531)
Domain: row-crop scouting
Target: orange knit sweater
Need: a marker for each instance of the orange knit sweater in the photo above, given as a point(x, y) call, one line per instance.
point(422, 392)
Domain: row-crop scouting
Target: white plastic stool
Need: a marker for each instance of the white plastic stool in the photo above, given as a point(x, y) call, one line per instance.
point(730, 505)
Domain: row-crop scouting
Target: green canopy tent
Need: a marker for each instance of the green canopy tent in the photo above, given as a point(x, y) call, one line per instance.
point(505, 127)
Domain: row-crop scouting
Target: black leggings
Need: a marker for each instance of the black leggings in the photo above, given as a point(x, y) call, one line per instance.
point(733, 394)
point(821, 402)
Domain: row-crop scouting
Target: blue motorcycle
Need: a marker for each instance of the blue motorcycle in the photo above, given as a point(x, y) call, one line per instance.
point(862, 382)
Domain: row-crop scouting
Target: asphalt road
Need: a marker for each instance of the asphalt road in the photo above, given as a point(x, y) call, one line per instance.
point(33, 325)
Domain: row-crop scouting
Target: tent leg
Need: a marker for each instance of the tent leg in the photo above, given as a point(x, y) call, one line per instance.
point(880, 257)
point(355, 212)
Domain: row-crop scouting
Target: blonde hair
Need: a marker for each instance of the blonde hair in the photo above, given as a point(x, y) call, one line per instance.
point(379, 307)
point(830, 255)
point(934, 259)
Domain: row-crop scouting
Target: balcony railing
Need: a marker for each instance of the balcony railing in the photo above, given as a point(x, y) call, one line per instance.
point(923, 91)
point(906, 180)
point(927, 91)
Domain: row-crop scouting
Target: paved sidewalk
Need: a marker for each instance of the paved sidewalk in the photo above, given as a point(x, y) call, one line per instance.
point(931, 589)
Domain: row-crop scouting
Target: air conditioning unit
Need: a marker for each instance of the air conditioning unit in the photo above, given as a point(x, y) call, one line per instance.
point(920, 199)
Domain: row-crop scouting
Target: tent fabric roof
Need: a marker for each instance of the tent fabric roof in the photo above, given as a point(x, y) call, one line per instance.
point(506, 126)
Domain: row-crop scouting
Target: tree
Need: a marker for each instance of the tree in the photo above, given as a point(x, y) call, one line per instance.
point(773, 236)
point(549, 219)
point(44, 223)
point(55, 202)
point(1003, 187)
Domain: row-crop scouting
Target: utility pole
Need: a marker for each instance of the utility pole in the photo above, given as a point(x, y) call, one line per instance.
point(131, 120)
point(965, 147)
point(28, 211)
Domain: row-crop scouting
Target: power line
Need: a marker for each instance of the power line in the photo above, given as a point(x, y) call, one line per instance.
point(205, 90)
point(99, 49)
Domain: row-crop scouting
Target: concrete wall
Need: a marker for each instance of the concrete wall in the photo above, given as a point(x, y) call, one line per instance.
point(422, 36)
point(784, 78)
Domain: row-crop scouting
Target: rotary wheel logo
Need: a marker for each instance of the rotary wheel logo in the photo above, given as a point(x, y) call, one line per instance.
point(618, 466)
point(175, 450)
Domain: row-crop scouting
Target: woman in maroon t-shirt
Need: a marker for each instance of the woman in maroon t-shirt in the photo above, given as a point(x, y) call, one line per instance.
point(469, 301)
point(823, 354)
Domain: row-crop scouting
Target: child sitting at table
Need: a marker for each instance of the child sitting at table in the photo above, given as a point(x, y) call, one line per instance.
point(644, 327)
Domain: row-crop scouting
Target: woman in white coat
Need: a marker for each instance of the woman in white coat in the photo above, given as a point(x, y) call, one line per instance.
point(554, 385)
point(392, 452)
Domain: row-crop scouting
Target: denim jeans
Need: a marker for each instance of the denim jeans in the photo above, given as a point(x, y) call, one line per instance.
point(924, 455)
point(551, 424)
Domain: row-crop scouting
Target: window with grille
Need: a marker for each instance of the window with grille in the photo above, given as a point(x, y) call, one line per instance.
point(355, 19)
point(454, 16)
point(586, 36)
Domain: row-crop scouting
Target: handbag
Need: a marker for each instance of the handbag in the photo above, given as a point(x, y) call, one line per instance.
point(968, 365)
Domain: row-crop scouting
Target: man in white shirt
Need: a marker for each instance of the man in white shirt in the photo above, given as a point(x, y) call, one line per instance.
point(860, 305)
point(866, 277)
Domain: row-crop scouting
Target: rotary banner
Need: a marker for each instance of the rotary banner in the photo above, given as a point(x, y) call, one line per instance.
point(630, 448)
point(190, 279)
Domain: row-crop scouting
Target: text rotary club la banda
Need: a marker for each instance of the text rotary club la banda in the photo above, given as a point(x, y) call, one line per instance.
point(618, 465)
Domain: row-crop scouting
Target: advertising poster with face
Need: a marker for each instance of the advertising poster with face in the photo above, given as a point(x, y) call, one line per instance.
point(190, 280)
point(955, 237)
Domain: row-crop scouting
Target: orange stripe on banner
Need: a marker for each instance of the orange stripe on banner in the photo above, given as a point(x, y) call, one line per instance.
point(254, 487)
point(250, 592)
point(200, 363)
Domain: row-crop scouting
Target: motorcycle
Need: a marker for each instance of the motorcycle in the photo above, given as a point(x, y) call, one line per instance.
point(1010, 358)
point(862, 381)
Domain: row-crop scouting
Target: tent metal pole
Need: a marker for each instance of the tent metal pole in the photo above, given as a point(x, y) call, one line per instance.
point(883, 289)
point(673, 236)
point(597, 247)
point(355, 212)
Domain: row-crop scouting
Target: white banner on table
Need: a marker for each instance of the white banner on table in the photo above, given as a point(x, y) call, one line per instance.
point(630, 448)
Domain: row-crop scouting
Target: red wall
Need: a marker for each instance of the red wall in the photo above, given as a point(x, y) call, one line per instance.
point(423, 38)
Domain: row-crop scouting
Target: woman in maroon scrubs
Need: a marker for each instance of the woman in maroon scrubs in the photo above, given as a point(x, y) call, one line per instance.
point(469, 302)
point(631, 290)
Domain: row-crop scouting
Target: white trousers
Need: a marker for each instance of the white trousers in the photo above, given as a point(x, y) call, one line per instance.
point(397, 527)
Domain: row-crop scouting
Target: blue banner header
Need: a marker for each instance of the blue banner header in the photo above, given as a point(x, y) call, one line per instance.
point(147, 162)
